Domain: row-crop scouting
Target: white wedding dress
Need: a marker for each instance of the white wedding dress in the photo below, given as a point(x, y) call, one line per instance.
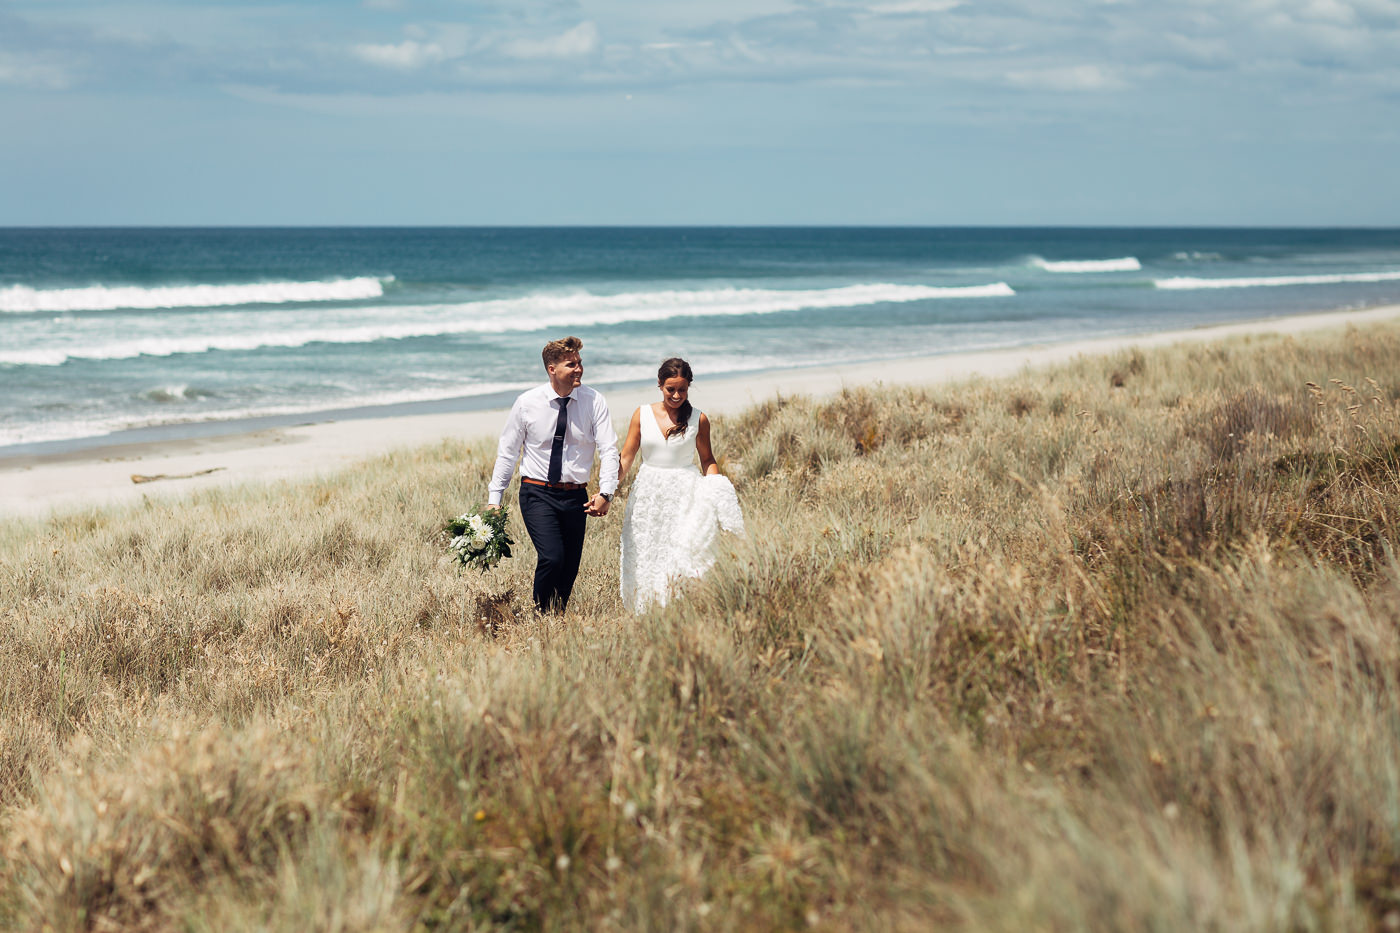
point(674, 516)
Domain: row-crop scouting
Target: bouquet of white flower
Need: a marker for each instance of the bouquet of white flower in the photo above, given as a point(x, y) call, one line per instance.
point(479, 538)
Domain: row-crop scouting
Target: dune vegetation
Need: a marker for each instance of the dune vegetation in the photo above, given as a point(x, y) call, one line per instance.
point(1109, 646)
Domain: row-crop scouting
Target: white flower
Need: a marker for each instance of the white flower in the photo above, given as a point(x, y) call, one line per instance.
point(478, 524)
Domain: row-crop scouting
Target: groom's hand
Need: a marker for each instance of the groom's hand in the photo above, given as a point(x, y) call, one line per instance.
point(597, 506)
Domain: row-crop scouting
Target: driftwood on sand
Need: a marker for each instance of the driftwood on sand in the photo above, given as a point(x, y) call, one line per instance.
point(142, 478)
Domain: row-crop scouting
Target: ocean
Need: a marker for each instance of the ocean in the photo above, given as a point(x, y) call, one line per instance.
point(108, 333)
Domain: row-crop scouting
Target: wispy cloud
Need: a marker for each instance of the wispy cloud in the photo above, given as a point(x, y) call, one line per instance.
point(577, 42)
point(915, 7)
point(405, 56)
point(34, 71)
point(896, 96)
point(950, 45)
point(1071, 78)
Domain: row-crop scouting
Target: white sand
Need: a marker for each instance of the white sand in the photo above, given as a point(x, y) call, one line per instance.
point(35, 486)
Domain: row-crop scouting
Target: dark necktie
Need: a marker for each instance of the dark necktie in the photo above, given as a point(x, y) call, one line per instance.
point(556, 453)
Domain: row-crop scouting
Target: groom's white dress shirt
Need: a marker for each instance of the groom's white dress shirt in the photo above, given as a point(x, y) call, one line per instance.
point(529, 431)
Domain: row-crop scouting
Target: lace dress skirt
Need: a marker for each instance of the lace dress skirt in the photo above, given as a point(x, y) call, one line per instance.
point(671, 531)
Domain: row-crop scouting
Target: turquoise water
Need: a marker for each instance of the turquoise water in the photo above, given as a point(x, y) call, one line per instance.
point(103, 330)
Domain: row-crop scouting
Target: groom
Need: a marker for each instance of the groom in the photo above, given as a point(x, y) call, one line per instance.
point(559, 426)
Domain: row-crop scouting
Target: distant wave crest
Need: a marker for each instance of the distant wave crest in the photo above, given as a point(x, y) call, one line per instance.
point(20, 299)
point(1188, 283)
point(1085, 266)
point(655, 306)
point(530, 313)
point(175, 394)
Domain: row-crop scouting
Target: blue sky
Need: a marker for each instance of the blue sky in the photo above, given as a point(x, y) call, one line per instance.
point(710, 112)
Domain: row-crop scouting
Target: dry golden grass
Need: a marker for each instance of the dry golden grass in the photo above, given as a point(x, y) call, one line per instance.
point(1113, 647)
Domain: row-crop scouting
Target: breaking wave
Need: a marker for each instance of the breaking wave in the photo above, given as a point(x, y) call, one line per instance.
point(21, 299)
point(535, 312)
point(1083, 266)
point(45, 432)
point(175, 394)
point(1187, 283)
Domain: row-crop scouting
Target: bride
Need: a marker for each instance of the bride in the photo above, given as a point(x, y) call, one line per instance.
point(674, 514)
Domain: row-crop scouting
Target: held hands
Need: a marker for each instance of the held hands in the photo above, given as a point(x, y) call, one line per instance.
point(597, 506)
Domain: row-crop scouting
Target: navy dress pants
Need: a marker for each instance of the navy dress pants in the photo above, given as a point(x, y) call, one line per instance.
point(556, 522)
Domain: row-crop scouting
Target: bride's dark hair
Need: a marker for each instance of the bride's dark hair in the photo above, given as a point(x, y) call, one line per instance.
point(670, 369)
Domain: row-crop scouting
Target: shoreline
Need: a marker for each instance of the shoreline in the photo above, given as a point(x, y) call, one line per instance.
point(88, 473)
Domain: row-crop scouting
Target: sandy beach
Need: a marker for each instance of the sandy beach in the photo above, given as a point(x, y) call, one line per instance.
point(36, 485)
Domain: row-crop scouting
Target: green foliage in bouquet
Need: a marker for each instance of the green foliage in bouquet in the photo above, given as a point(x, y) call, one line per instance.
point(479, 538)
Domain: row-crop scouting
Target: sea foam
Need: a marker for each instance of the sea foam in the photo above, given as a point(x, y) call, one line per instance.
point(1187, 283)
point(1083, 266)
point(528, 313)
point(174, 394)
point(44, 432)
point(20, 299)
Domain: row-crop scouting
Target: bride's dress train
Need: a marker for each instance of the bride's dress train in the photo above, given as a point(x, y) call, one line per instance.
point(674, 516)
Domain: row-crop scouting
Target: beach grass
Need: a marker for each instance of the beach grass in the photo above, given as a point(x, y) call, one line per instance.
point(1107, 646)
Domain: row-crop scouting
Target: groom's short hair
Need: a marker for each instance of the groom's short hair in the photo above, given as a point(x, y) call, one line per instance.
point(556, 350)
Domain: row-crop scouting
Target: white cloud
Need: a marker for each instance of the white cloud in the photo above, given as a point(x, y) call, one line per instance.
point(1329, 11)
point(575, 43)
point(1200, 52)
point(29, 71)
point(954, 45)
point(746, 51)
point(405, 56)
point(916, 6)
point(1073, 78)
point(424, 46)
point(1380, 10)
point(1306, 11)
